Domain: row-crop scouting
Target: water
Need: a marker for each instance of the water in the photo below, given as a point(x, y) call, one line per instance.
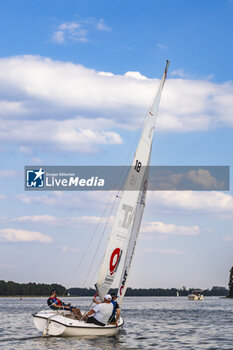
point(150, 323)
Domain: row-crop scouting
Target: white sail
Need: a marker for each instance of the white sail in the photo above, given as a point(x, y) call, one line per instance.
point(142, 156)
point(129, 252)
point(128, 218)
point(116, 243)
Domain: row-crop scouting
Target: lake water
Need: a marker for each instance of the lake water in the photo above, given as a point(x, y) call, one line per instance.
point(150, 323)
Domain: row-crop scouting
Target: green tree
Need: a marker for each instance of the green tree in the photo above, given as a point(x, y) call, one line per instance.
point(231, 283)
point(3, 288)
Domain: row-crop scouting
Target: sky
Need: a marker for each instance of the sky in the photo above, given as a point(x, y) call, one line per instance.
point(76, 80)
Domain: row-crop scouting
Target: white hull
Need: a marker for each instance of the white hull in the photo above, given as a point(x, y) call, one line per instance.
point(53, 323)
point(195, 297)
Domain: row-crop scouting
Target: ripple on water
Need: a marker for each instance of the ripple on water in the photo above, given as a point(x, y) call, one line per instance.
point(150, 323)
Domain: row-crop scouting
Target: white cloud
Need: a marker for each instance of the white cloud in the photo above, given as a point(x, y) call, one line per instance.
point(18, 235)
point(78, 30)
point(217, 203)
point(25, 150)
point(7, 266)
point(37, 160)
point(70, 31)
point(67, 135)
point(67, 249)
point(48, 219)
point(161, 46)
point(2, 197)
point(228, 238)
point(58, 37)
point(51, 85)
point(180, 73)
point(170, 229)
point(83, 106)
point(106, 74)
point(12, 108)
point(200, 179)
point(204, 178)
point(62, 221)
point(102, 26)
point(70, 200)
point(70, 26)
point(135, 75)
point(201, 202)
point(165, 251)
point(6, 173)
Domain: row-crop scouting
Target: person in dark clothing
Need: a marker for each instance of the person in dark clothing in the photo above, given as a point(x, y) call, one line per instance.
point(116, 310)
point(56, 304)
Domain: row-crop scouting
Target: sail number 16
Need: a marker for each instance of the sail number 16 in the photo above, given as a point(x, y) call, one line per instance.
point(138, 166)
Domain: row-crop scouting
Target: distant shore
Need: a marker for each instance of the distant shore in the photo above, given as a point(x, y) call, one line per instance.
point(13, 289)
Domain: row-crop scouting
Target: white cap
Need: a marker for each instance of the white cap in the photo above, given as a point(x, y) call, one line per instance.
point(108, 297)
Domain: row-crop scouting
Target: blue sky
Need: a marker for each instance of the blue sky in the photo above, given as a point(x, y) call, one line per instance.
point(76, 79)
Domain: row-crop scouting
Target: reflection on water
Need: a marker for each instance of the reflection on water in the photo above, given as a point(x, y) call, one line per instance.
point(150, 323)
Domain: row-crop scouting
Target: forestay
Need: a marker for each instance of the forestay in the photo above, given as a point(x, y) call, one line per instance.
point(123, 237)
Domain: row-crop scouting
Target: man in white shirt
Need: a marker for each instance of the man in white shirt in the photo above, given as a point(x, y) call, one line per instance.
point(101, 312)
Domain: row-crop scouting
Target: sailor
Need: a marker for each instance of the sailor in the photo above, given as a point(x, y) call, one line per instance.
point(116, 310)
point(114, 318)
point(101, 312)
point(57, 304)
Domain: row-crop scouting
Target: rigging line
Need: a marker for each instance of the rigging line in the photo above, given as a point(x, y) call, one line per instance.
point(104, 229)
point(95, 273)
point(100, 240)
point(98, 224)
point(88, 308)
point(101, 260)
point(88, 244)
point(93, 234)
point(96, 228)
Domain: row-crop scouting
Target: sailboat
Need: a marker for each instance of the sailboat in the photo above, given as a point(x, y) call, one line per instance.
point(196, 295)
point(121, 242)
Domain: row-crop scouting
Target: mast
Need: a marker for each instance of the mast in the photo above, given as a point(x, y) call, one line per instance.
point(123, 237)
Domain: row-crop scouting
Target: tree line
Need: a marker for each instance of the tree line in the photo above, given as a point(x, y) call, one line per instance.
point(40, 289)
point(153, 292)
point(29, 289)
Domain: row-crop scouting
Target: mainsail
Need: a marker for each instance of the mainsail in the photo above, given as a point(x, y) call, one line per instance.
point(123, 237)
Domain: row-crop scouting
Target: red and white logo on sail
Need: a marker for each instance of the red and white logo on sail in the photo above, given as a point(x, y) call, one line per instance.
point(114, 260)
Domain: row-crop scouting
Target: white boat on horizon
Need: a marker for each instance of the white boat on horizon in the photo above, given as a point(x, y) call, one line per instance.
point(122, 240)
point(196, 295)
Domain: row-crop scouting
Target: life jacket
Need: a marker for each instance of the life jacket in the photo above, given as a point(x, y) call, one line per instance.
point(115, 307)
point(54, 300)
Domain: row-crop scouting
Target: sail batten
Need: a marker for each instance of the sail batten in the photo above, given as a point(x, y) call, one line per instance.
point(123, 237)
